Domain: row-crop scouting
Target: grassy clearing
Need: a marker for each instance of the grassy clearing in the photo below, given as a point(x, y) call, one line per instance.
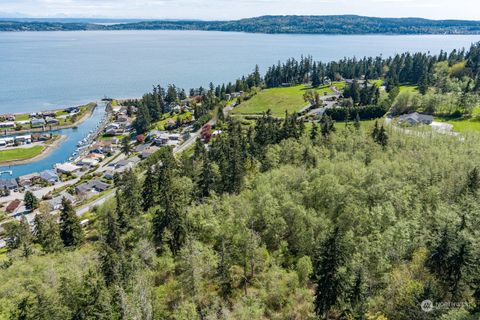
point(462, 125)
point(280, 100)
point(160, 125)
point(408, 88)
point(20, 153)
point(22, 117)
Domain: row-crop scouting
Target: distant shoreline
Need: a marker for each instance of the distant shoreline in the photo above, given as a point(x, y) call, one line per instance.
point(326, 25)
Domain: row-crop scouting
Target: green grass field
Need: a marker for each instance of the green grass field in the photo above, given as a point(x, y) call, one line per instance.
point(20, 153)
point(462, 125)
point(408, 88)
point(280, 100)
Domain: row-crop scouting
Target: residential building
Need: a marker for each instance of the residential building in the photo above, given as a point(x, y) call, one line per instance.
point(49, 175)
point(28, 180)
point(67, 168)
point(56, 202)
point(38, 123)
point(92, 186)
point(9, 184)
point(415, 119)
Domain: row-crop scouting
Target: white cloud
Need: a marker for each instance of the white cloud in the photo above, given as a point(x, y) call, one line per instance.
point(232, 9)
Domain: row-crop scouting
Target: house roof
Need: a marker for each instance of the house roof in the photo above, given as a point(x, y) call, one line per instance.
point(38, 121)
point(57, 201)
point(30, 176)
point(94, 184)
point(67, 167)
point(8, 183)
point(417, 117)
point(49, 175)
point(12, 206)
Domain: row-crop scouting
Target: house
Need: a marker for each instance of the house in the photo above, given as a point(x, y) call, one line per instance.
point(7, 124)
point(28, 179)
point(124, 164)
point(9, 184)
point(13, 206)
point(49, 175)
point(103, 146)
point(415, 119)
point(37, 123)
point(56, 202)
point(96, 156)
point(5, 142)
point(113, 125)
point(89, 162)
point(24, 139)
point(47, 114)
point(72, 110)
point(40, 137)
point(142, 148)
point(92, 186)
point(67, 168)
point(122, 117)
point(148, 152)
point(51, 120)
point(109, 175)
point(8, 117)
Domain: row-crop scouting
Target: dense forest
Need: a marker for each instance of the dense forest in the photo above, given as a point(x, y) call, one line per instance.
point(342, 24)
point(274, 218)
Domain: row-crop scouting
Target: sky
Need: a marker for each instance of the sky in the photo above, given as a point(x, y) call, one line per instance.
point(234, 9)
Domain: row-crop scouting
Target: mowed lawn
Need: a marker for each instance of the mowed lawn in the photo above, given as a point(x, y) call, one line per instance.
point(279, 100)
point(20, 153)
point(463, 125)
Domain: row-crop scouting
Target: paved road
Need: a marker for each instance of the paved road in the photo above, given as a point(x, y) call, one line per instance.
point(88, 207)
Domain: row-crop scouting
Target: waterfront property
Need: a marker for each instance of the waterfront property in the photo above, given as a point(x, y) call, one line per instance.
point(49, 176)
point(8, 184)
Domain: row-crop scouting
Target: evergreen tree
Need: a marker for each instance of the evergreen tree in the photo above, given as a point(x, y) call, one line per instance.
point(71, 231)
point(149, 190)
point(19, 236)
point(356, 123)
point(382, 138)
point(47, 232)
point(143, 120)
point(199, 149)
point(126, 147)
point(473, 181)
point(31, 202)
point(314, 132)
point(327, 125)
point(330, 283)
point(375, 131)
point(112, 262)
point(207, 180)
point(423, 85)
point(129, 202)
point(316, 81)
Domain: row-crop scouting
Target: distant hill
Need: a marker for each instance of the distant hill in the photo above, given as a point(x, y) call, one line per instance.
point(343, 24)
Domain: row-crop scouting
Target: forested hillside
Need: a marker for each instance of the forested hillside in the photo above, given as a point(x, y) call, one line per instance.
point(273, 218)
point(343, 24)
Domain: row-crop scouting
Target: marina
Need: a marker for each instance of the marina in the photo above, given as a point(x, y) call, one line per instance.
point(77, 140)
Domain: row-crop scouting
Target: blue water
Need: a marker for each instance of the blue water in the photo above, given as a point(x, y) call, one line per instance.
point(49, 70)
point(65, 149)
point(45, 70)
